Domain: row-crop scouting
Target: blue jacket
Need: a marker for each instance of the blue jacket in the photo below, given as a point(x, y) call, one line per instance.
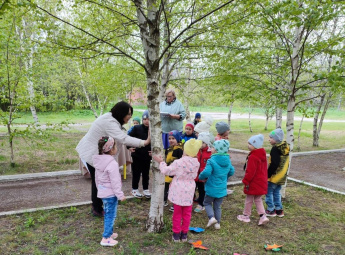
point(218, 169)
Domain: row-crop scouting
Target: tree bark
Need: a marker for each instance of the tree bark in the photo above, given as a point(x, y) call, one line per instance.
point(229, 114)
point(315, 122)
point(279, 117)
point(299, 134)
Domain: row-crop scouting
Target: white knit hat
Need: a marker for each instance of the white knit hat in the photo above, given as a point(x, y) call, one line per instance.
point(205, 125)
point(207, 138)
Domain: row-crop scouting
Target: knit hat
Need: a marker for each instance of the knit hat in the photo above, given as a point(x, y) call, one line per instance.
point(197, 115)
point(145, 115)
point(175, 134)
point(192, 147)
point(189, 125)
point(205, 125)
point(277, 135)
point(207, 138)
point(256, 141)
point(221, 146)
point(222, 127)
point(136, 119)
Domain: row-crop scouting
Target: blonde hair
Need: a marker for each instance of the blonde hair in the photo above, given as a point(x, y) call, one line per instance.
point(170, 91)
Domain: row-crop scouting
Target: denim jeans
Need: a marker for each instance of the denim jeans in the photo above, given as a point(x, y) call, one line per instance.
point(273, 197)
point(110, 208)
point(212, 207)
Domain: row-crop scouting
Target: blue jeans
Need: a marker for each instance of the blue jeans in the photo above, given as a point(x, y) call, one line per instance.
point(212, 207)
point(273, 197)
point(110, 208)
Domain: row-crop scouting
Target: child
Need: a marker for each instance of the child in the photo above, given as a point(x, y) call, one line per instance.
point(189, 132)
point(218, 169)
point(278, 164)
point(223, 131)
point(141, 158)
point(203, 126)
point(197, 118)
point(136, 121)
point(108, 181)
point(255, 179)
point(182, 187)
point(203, 155)
point(173, 152)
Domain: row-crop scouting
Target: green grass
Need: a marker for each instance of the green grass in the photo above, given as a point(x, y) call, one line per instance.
point(314, 224)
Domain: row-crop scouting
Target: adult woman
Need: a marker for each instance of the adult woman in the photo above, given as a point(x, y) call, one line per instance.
point(173, 114)
point(109, 124)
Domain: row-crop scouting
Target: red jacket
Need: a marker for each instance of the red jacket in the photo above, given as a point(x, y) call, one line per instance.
point(203, 155)
point(255, 178)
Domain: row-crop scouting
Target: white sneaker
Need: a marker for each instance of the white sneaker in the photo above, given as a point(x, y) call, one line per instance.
point(147, 193)
point(229, 191)
point(217, 226)
point(136, 193)
point(211, 222)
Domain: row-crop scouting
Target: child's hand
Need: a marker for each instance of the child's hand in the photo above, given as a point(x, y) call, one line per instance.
point(150, 153)
point(158, 158)
point(123, 199)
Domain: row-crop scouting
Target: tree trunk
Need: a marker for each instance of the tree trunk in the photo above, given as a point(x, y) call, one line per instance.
point(30, 84)
point(299, 134)
point(328, 101)
point(315, 122)
point(229, 114)
point(266, 123)
point(150, 36)
point(290, 121)
point(279, 117)
point(250, 124)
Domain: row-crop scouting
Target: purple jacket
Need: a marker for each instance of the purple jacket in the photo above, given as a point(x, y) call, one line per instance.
point(107, 177)
point(182, 187)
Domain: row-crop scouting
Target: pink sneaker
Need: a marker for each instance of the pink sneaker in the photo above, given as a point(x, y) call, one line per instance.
point(108, 242)
point(263, 220)
point(114, 236)
point(243, 218)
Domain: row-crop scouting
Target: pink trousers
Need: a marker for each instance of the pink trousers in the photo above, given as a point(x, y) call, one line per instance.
point(248, 203)
point(181, 218)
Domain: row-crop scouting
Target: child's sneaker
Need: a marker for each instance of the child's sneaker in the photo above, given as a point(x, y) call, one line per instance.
point(176, 237)
point(263, 220)
point(244, 218)
point(217, 226)
point(211, 222)
point(147, 193)
point(171, 209)
point(271, 213)
point(199, 208)
point(114, 236)
point(184, 237)
point(229, 191)
point(165, 204)
point(136, 193)
point(280, 213)
point(108, 242)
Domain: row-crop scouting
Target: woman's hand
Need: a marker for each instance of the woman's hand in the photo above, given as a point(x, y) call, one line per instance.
point(131, 149)
point(148, 140)
point(150, 153)
point(158, 158)
point(175, 116)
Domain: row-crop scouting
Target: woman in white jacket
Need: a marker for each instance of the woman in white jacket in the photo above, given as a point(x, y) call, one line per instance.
point(109, 124)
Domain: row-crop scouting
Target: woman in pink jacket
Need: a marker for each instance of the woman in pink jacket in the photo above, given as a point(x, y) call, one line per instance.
point(182, 187)
point(108, 182)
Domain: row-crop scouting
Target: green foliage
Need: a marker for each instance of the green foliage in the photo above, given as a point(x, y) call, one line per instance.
point(29, 223)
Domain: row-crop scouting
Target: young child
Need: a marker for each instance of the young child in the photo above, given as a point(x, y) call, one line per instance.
point(189, 132)
point(278, 164)
point(223, 131)
point(255, 179)
point(182, 187)
point(217, 171)
point(136, 121)
point(175, 151)
point(203, 155)
point(197, 118)
point(141, 158)
point(108, 182)
point(203, 126)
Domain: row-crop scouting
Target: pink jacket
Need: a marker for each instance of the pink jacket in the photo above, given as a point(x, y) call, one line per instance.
point(107, 177)
point(182, 187)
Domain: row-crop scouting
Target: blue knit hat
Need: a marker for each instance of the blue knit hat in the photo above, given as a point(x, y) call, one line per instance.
point(221, 146)
point(145, 114)
point(256, 140)
point(277, 135)
point(197, 115)
point(175, 134)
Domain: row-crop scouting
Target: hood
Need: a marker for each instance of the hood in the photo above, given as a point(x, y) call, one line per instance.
point(259, 153)
point(190, 164)
point(223, 160)
point(284, 148)
point(100, 162)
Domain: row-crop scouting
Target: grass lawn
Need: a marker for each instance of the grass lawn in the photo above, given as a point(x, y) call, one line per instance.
point(314, 223)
